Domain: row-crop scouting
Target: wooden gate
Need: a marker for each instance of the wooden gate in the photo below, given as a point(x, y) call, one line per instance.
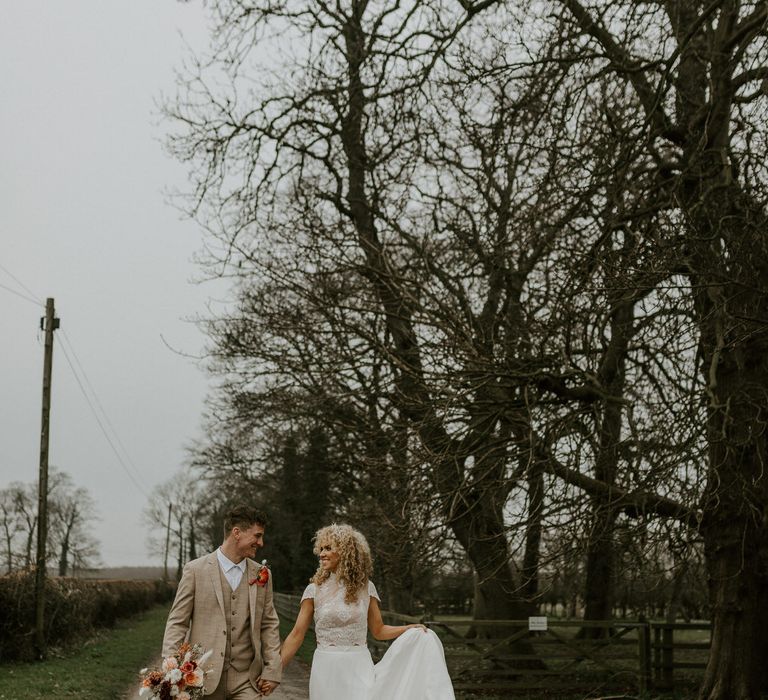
point(505, 656)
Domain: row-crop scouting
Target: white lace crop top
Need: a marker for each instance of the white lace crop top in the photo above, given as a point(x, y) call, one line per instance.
point(338, 623)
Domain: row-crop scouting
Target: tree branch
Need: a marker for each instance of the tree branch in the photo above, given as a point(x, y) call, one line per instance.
point(625, 64)
point(633, 503)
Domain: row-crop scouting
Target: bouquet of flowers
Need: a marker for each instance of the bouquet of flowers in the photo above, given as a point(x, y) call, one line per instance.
point(180, 676)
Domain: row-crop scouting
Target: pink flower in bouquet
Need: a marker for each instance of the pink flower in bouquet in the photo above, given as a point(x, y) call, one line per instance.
point(169, 663)
point(183, 695)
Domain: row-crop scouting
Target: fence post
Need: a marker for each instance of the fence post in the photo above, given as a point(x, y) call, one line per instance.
point(656, 656)
point(667, 659)
point(644, 654)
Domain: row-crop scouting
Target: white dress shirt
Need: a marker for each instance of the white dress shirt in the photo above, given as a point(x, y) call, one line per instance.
point(232, 572)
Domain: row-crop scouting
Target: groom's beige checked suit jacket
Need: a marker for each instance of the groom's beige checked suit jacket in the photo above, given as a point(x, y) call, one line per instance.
point(197, 616)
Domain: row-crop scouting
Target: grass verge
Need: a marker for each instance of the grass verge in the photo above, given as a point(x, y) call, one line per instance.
point(100, 669)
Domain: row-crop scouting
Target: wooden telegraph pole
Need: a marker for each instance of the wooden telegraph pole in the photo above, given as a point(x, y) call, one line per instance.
point(49, 324)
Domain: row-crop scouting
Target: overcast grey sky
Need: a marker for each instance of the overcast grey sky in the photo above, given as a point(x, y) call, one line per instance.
point(83, 219)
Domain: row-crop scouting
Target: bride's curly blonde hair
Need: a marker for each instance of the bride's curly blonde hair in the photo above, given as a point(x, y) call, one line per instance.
point(355, 563)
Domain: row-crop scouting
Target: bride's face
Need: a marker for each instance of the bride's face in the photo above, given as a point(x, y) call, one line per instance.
point(328, 556)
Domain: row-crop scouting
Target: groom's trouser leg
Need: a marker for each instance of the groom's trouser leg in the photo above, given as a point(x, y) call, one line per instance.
point(221, 689)
point(239, 686)
point(234, 685)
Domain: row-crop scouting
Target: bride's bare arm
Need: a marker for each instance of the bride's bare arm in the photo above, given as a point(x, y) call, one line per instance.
point(296, 636)
point(381, 631)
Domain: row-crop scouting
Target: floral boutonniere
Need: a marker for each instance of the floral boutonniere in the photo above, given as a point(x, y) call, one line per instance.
point(262, 576)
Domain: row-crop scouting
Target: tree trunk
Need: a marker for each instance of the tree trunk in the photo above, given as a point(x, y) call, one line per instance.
point(9, 551)
point(180, 556)
point(64, 555)
point(192, 543)
point(167, 543)
point(736, 539)
point(28, 550)
point(675, 597)
point(598, 586)
point(479, 529)
point(739, 597)
point(69, 524)
point(478, 524)
point(731, 304)
point(600, 575)
point(530, 570)
point(480, 532)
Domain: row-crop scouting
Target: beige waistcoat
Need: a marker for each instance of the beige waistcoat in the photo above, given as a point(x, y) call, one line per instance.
point(238, 652)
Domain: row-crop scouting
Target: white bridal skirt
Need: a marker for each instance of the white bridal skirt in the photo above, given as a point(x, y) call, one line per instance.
point(413, 668)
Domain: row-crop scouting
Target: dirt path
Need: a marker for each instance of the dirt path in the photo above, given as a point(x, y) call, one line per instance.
point(295, 685)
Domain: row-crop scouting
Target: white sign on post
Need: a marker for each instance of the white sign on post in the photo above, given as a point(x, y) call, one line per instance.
point(537, 624)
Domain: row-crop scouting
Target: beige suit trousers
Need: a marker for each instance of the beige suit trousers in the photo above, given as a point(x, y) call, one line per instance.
point(234, 685)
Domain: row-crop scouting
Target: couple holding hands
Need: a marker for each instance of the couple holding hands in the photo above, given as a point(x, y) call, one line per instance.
point(224, 602)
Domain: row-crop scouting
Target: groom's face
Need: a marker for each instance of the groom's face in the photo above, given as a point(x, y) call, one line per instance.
point(249, 541)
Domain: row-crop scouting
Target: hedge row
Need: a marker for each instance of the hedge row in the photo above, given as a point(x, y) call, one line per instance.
point(73, 609)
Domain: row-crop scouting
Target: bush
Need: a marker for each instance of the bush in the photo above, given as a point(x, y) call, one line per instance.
point(73, 608)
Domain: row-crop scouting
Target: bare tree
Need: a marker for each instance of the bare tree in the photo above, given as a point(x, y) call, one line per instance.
point(691, 68)
point(72, 513)
point(11, 525)
point(24, 497)
point(186, 497)
point(400, 276)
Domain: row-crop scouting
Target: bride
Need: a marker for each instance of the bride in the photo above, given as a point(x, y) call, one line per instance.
point(344, 604)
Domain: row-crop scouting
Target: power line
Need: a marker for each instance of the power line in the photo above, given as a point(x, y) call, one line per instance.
point(36, 297)
point(136, 482)
point(23, 296)
point(95, 396)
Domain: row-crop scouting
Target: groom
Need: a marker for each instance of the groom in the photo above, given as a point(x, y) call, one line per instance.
point(224, 603)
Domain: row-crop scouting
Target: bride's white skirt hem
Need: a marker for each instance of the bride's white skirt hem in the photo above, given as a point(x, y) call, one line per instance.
point(413, 668)
point(341, 672)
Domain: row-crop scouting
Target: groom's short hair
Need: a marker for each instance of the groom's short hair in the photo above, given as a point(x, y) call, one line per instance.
point(243, 517)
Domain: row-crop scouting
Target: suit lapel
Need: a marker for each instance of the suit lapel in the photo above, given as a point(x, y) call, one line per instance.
point(250, 574)
point(213, 568)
